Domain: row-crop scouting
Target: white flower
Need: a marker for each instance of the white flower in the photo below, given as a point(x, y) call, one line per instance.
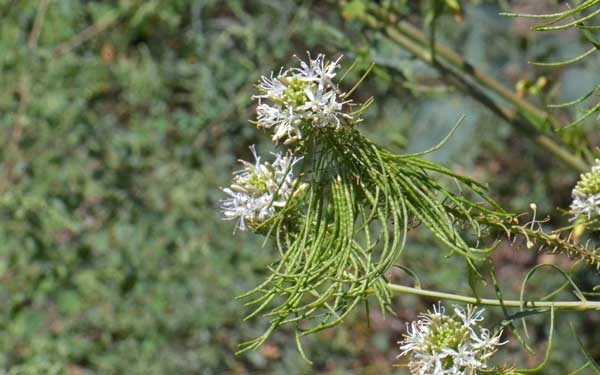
point(260, 189)
point(439, 344)
point(586, 194)
point(272, 87)
point(318, 70)
point(300, 99)
point(585, 206)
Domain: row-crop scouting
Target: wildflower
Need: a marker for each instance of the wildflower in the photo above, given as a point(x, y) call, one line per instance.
point(299, 99)
point(260, 189)
point(449, 345)
point(586, 194)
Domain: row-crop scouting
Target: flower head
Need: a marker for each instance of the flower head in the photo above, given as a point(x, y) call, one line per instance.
point(449, 345)
point(300, 99)
point(260, 189)
point(586, 194)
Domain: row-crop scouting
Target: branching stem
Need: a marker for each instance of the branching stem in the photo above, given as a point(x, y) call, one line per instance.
point(525, 118)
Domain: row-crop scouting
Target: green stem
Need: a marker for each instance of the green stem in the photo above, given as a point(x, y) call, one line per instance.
point(519, 120)
point(529, 305)
point(526, 118)
point(539, 116)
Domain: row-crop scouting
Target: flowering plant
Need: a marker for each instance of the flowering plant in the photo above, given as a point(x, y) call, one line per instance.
point(260, 189)
point(341, 220)
point(586, 195)
point(448, 345)
point(298, 99)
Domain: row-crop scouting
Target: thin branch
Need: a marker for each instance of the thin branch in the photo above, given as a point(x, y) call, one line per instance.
point(480, 77)
point(516, 119)
point(13, 139)
point(94, 30)
point(34, 35)
point(526, 118)
point(527, 305)
point(87, 34)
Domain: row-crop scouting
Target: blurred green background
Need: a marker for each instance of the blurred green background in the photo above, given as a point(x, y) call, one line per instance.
point(120, 121)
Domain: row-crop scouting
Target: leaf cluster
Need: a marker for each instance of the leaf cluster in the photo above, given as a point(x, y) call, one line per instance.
point(352, 228)
point(576, 17)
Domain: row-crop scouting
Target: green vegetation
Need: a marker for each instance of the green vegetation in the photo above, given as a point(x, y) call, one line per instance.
point(120, 121)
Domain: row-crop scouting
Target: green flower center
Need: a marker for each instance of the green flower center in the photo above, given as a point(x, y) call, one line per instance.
point(294, 94)
point(445, 332)
point(255, 183)
point(589, 183)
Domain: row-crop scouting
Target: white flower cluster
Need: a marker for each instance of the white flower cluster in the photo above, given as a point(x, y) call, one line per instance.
point(586, 194)
point(585, 205)
point(439, 344)
point(300, 98)
point(293, 101)
point(259, 189)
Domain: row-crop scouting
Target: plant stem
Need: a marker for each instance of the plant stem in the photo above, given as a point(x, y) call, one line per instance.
point(526, 118)
point(528, 305)
point(539, 116)
point(518, 120)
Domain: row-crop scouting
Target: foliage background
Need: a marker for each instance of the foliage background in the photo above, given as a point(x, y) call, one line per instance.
point(120, 120)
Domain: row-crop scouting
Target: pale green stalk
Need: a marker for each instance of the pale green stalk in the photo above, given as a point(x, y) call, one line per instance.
point(525, 118)
point(526, 305)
